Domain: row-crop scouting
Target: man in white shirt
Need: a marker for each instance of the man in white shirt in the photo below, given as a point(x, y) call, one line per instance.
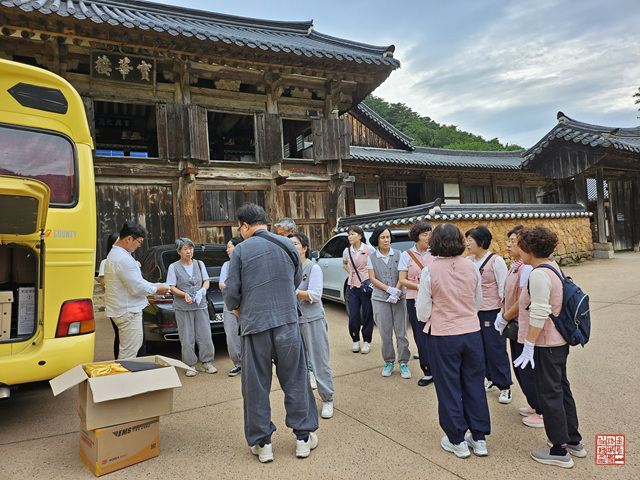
point(126, 291)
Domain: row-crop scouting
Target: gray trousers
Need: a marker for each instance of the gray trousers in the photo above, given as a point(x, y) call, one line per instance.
point(234, 344)
point(284, 345)
point(194, 328)
point(316, 343)
point(390, 318)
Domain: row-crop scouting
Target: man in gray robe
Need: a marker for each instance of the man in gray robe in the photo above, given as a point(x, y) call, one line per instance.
point(264, 272)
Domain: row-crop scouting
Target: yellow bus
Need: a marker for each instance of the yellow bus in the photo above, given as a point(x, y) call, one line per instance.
point(47, 227)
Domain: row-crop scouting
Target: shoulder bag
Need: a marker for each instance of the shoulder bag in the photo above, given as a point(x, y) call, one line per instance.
point(366, 287)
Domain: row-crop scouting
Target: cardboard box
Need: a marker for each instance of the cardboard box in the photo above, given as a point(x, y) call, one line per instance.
point(125, 397)
point(26, 310)
point(105, 450)
point(6, 299)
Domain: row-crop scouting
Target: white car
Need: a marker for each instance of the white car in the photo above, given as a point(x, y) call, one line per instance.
point(330, 259)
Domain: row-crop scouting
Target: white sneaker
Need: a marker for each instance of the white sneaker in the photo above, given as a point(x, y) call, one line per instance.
point(505, 396)
point(207, 367)
point(461, 450)
point(264, 454)
point(479, 447)
point(312, 381)
point(366, 348)
point(191, 372)
point(327, 410)
point(355, 348)
point(490, 386)
point(303, 449)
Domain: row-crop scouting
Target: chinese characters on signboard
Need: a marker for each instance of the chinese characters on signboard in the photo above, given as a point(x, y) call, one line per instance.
point(121, 67)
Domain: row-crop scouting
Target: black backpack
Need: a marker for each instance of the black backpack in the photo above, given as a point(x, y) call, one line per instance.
point(574, 320)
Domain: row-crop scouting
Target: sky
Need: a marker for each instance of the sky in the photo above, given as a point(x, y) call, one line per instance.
point(495, 68)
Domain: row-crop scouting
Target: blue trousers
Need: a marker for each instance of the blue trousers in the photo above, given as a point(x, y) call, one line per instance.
point(419, 336)
point(458, 374)
point(356, 300)
point(525, 378)
point(497, 364)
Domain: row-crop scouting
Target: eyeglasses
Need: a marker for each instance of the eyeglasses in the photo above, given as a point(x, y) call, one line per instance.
point(296, 243)
point(139, 240)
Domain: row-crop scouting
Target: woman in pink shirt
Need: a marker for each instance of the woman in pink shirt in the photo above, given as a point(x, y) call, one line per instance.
point(358, 254)
point(448, 300)
point(517, 280)
point(547, 351)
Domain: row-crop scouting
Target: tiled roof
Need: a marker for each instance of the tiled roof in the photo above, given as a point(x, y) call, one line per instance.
point(298, 38)
point(467, 211)
point(372, 116)
point(587, 134)
point(439, 157)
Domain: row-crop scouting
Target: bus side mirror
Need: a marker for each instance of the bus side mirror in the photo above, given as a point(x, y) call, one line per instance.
point(315, 254)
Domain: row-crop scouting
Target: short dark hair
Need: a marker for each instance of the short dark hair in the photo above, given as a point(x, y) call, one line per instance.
point(133, 229)
point(304, 241)
point(373, 239)
point(359, 231)
point(538, 241)
point(236, 240)
point(515, 230)
point(252, 214)
point(446, 241)
point(481, 235)
point(418, 228)
point(111, 240)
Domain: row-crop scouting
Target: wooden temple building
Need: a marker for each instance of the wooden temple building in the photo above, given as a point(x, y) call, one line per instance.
point(574, 155)
point(194, 113)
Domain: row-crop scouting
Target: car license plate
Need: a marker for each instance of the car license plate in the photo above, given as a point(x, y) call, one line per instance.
point(219, 318)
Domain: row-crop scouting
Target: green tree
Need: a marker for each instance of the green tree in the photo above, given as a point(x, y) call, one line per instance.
point(427, 133)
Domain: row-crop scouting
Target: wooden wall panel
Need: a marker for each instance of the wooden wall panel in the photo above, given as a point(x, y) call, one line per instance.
point(308, 209)
point(149, 205)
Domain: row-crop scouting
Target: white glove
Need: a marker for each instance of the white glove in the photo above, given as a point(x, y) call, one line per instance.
point(200, 294)
point(392, 299)
point(500, 323)
point(395, 292)
point(526, 356)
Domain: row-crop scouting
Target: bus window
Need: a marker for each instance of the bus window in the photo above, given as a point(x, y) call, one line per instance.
point(43, 156)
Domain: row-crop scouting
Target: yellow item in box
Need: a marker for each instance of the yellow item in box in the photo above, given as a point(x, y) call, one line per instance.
point(105, 450)
point(116, 399)
point(101, 369)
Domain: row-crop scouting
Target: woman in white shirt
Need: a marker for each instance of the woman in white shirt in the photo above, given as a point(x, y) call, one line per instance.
point(313, 322)
point(389, 310)
point(547, 350)
point(234, 344)
point(189, 282)
point(493, 271)
point(516, 280)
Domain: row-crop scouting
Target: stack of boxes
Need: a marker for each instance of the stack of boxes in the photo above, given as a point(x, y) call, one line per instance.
point(119, 414)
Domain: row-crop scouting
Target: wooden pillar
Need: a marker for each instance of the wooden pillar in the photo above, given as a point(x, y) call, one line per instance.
point(186, 200)
point(494, 190)
point(461, 189)
point(602, 233)
point(580, 186)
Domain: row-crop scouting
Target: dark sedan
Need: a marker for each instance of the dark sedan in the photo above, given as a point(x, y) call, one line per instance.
point(159, 316)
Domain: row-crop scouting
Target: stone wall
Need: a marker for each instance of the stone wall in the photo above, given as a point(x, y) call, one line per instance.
point(574, 235)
